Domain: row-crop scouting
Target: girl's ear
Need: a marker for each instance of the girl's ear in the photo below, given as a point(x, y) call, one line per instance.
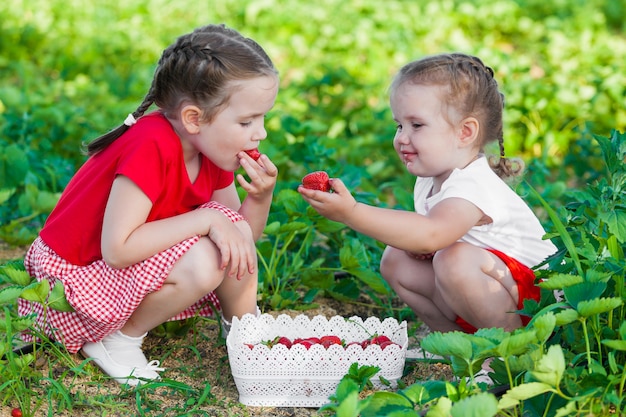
point(190, 118)
point(469, 129)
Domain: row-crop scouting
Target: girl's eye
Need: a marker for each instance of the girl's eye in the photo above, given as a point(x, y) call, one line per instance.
point(416, 125)
point(245, 124)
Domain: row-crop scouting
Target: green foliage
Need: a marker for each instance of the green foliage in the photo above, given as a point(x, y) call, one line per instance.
point(570, 359)
point(66, 78)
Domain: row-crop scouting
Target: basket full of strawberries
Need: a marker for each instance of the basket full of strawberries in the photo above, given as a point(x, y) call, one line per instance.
point(299, 361)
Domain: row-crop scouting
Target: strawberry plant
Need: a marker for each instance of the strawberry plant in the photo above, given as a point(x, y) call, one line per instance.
point(570, 359)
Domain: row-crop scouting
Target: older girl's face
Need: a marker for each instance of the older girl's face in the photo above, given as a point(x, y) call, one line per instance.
point(240, 126)
point(425, 140)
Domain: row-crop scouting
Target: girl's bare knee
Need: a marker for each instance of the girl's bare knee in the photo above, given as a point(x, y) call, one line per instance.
point(388, 264)
point(198, 269)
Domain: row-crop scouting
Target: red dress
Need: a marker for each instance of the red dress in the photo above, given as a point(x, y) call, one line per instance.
point(68, 246)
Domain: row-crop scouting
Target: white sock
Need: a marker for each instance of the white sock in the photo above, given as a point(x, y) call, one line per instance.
point(226, 325)
point(126, 350)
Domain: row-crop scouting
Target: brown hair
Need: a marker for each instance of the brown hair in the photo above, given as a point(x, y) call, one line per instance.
point(471, 89)
point(200, 68)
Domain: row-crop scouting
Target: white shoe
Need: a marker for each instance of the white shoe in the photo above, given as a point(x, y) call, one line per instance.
point(121, 357)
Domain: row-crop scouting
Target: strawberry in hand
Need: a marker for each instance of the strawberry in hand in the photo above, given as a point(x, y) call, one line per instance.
point(317, 180)
point(254, 154)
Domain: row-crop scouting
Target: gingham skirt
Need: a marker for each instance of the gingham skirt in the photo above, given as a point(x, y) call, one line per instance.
point(103, 297)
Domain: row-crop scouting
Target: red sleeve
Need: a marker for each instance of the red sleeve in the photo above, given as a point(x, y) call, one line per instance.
point(147, 166)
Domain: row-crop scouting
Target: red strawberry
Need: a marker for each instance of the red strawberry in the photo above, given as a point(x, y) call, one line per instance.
point(250, 346)
point(304, 342)
point(16, 412)
point(254, 154)
point(317, 180)
point(379, 340)
point(383, 345)
point(328, 341)
point(284, 341)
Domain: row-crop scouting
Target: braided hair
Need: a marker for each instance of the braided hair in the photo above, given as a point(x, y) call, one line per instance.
point(198, 67)
point(471, 89)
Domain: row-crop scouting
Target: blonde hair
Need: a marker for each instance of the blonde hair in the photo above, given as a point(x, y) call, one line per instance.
point(471, 89)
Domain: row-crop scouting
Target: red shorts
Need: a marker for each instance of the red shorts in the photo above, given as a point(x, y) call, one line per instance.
point(525, 279)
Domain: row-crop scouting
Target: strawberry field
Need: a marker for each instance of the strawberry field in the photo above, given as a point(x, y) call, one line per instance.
point(72, 70)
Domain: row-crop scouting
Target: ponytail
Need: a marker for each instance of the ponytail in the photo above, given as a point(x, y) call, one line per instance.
point(105, 140)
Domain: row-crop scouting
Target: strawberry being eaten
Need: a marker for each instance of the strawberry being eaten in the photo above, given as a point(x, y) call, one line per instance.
point(254, 154)
point(318, 180)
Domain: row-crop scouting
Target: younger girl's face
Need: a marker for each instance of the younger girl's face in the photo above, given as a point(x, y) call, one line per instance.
point(425, 140)
point(240, 126)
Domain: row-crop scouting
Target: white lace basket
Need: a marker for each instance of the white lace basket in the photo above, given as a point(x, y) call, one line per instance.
point(297, 377)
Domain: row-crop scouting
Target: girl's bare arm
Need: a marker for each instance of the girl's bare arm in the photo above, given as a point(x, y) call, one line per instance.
point(447, 222)
point(128, 239)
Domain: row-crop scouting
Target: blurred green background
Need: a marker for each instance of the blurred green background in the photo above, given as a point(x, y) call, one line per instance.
point(71, 70)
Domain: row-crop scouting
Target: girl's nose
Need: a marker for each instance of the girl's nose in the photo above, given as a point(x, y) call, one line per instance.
point(261, 133)
point(401, 138)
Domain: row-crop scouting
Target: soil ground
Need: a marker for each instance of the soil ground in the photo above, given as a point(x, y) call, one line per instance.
point(197, 360)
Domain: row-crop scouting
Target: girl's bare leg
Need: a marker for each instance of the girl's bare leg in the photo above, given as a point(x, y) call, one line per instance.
point(194, 275)
point(478, 286)
point(414, 282)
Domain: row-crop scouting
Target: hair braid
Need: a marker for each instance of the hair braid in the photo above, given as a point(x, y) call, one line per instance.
point(200, 68)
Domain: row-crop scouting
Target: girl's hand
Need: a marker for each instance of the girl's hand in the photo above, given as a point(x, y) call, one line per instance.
point(336, 206)
point(235, 243)
point(262, 174)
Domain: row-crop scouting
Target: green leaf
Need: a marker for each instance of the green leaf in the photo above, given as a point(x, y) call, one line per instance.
point(517, 344)
point(442, 408)
point(560, 228)
point(16, 276)
point(616, 222)
point(371, 278)
point(448, 344)
point(57, 300)
point(272, 228)
point(13, 165)
point(10, 294)
point(615, 344)
point(5, 194)
point(347, 258)
point(522, 392)
point(615, 248)
point(37, 291)
point(382, 402)
point(479, 405)
point(18, 324)
point(598, 306)
point(350, 406)
point(292, 227)
point(560, 281)
point(566, 317)
point(344, 388)
point(544, 326)
point(416, 393)
point(550, 367)
point(583, 292)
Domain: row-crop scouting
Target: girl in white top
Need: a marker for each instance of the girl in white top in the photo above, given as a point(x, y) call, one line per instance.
point(462, 260)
